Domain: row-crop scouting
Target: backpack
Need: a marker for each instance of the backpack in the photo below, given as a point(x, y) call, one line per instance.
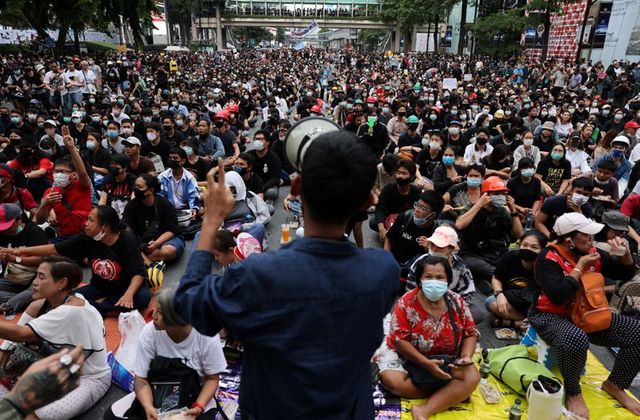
point(513, 366)
point(173, 384)
point(589, 310)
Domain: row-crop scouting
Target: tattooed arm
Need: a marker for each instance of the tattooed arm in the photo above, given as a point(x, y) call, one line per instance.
point(45, 381)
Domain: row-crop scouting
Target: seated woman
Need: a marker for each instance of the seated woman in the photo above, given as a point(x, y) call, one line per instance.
point(448, 173)
point(170, 336)
point(463, 195)
point(117, 269)
point(498, 163)
point(249, 211)
point(60, 318)
point(558, 271)
point(37, 168)
point(513, 284)
point(152, 218)
point(444, 243)
point(430, 344)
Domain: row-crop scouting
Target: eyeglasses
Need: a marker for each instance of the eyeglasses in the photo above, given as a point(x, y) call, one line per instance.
point(418, 206)
point(61, 171)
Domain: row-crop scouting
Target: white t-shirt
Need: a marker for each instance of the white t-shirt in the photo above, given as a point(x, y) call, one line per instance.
point(473, 156)
point(68, 326)
point(201, 353)
point(74, 76)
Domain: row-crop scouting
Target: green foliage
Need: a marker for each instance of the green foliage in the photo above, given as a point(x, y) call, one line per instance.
point(371, 37)
point(280, 35)
point(507, 25)
point(408, 13)
point(253, 35)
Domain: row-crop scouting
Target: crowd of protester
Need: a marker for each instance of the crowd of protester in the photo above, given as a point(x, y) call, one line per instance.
point(104, 162)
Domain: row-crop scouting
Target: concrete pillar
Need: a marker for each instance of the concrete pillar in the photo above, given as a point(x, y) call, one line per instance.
point(396, 39)
point(219, 40)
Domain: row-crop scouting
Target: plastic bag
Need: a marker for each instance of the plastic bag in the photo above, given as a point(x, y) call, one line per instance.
point(130, 325)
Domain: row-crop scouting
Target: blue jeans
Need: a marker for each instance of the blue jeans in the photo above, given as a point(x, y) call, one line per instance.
point(108, 304)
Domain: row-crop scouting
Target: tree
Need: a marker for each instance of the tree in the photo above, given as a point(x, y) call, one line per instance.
point(371, 38)
point(280, 35)
point(252, 33)
point(499, 33)
point(181, 12)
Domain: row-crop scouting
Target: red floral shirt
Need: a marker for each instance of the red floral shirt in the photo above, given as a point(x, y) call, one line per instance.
point(412, 323)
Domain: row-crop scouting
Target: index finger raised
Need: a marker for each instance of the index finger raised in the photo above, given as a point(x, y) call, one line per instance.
point(221, 172)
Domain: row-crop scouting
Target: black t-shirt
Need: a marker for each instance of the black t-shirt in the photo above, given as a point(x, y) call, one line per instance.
point(511, 273)
point(177, 138)
point(198, 169)
point(407, 140)
point(544, 146)
point(254, 184)
point(268, 168)
point(426, 163)
point(403, 236)
point(160, 218)
point(391, 201)
point(144, 166)
point(554, 175)
point(556, 206)
point(118, 193)
point(525, 195)
point(112, 267)
point(31, 235)
point(488, 235)
point(161, 149)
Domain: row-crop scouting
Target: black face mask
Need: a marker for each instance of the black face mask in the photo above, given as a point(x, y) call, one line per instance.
point(401, 114)
point(14, 142)
point(173, 164)
point(139, 193)
point(527, 255)
point(218, 124)
point(481, 141)
point(114, 171)
point(403, 181)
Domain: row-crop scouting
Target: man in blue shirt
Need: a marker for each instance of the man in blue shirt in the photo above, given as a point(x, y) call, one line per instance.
point(309, 315)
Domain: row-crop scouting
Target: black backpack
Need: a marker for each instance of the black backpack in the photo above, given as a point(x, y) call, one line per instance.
point(173, 383)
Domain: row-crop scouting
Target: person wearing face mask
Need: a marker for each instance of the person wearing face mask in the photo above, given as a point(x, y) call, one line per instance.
point(244, 167)
point(578, 158)
point(429, 348)
point(267, 164)
point(178, 108)
point(554, 171)
point(576, 200)
point(474, 152)
point(18, 122)
point(153, 219)
point(210, 147)
point(117, 114)
point(96, 157)
point(113, 141)
point(429, 157)
point(51, 134)
point(37, 168)
point(70, 196)
point(605, 184)
point(178, 185)
point(155, 146)
point(525, 189)
point(13, 191)
point(194, 163)
point(526, 149)
point(169, 132)
point(558, 272)
point(228, 138)
point(444, 243)
point(117, 269)
point(410, 142)
point(11, 148)
point(17, 273)
point(398, 124)
point(619, 149)
point(513, 282)
point(407, 237)
point(615, 121)
point(395, 198)
point(117, 186)
point(486, 230)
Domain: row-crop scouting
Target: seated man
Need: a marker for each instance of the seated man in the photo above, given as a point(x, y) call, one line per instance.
point(209, 146)
point(67, 204)
point(604, 183)
point(153, 220)
point(12, 182)
point(576, 200)
point(178, 185)
point(267, 164)
point(35, 166)
point(17, 273)
point(138, 164)
point(395, 198)
point(486, 230)
point(408, 235)
point(117, 187)
point(622, 172)
point(244, 166)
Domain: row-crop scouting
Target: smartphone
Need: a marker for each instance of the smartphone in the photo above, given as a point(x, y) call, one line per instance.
point(458, 363)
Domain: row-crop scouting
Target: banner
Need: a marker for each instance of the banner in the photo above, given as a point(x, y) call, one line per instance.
point(602, 25)
point(313, 28)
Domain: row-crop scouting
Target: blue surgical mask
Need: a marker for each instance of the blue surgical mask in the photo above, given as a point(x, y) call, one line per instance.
point(556, 156)
point(499, 200)
point(188, 150)
point(434, 289)
point(618, 154)
point(112, 134)
point(474, 182)
point(528, 172)
point(448, 160)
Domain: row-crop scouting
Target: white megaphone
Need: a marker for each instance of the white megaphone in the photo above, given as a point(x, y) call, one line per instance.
point(302, 134)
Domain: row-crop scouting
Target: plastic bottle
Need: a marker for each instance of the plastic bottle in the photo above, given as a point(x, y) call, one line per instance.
point(617, 252)
point(515, 412)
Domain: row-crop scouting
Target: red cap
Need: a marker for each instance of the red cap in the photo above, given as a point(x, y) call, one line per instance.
point(371, 100)
point(316, 108)
point(223, 115)
point(632, 124)
point(494, 183)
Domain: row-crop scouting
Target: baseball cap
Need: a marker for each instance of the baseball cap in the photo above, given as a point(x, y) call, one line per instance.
point(615, 220)
point(9, 212)
point(50, 122)
point(132, 141)
point(76, 114)
point(632, 124)
point(571, 222)
point(621, 139)
point(444, 236)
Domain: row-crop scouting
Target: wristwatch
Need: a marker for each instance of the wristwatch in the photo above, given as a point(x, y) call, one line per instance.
point(497, 293)
point(18, 259)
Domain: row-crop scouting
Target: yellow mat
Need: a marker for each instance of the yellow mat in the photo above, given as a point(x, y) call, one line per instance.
point(601, 405)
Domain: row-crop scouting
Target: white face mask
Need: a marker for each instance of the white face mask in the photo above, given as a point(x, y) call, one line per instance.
point(527, 142)
point(258, 145)
point(100, 235)
point(579, 199)
point(151, 136)
point(61, 180)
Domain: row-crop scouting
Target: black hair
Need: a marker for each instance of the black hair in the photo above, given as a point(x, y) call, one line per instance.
point(526, 162)
point(432, 260)
point(475, 167)
point(224, 241)
point(265, 133)
point(582, 182)
point(607, 165)
point(434, 199)
point(178, 151)
point(151, 181)
point(65, 161)
point(483, 131)
point(154, 126)
point(121, 160)
point(107, 216)
point(338, 174)
point(114, 122)
point(542, 240)
point(61, 267)
point(390, 162)
point(409, 165)
point(247, 157)
point(204, 120)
